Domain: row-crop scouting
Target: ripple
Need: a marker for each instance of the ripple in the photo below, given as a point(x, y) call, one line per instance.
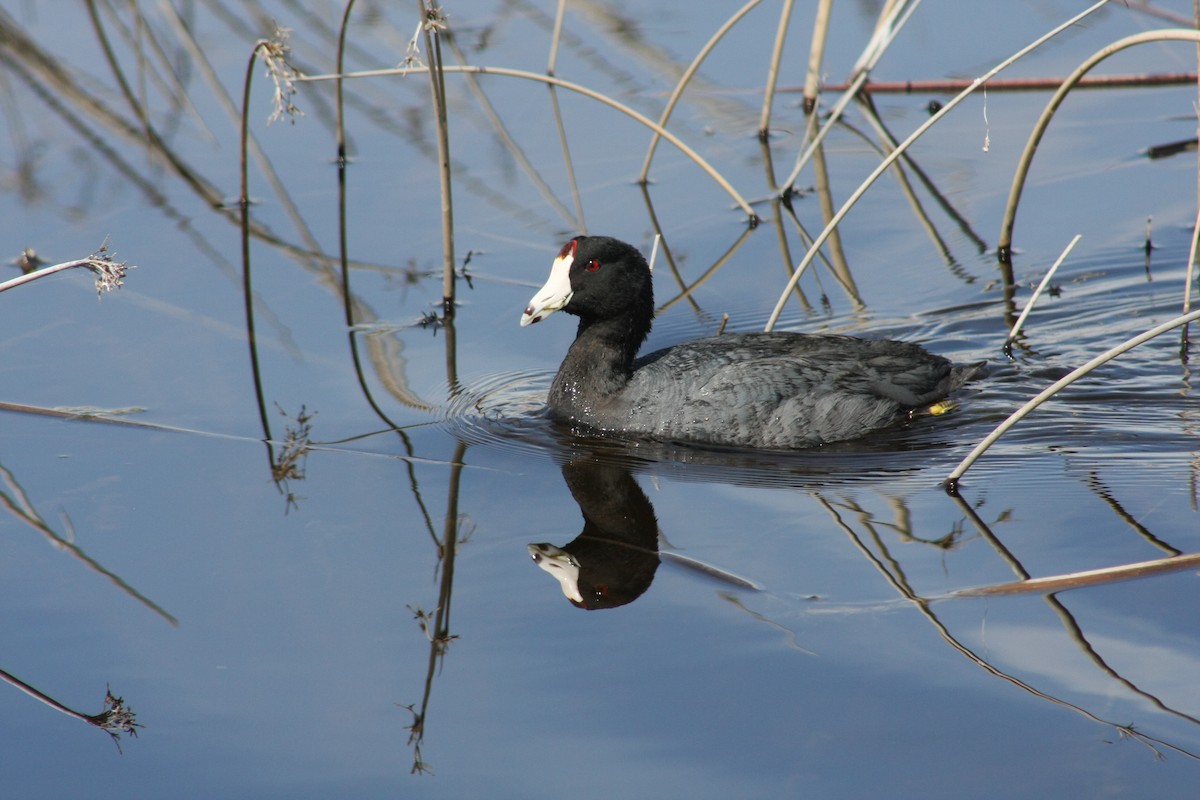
point(505, 410)
point(1139, 408)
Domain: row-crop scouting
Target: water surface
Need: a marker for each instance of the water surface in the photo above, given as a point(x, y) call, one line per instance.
point(364, 619)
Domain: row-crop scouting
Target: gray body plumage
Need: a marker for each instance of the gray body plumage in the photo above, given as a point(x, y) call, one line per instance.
point(768, 390)
point(762, 390)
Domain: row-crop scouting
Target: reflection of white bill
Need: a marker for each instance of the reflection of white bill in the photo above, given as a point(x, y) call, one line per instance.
point(562, 565)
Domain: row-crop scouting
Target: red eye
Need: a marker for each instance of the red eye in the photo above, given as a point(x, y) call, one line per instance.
point(592, 265)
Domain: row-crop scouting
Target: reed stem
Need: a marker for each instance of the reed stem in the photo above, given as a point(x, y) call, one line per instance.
point(1039, 129)
point(951, 482)
point(586, 92)
point(887, 162)
point(1016, 328)
point(764, 121)
point(816, 55)
point(432, 23)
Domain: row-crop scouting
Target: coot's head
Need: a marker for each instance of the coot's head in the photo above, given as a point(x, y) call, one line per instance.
point(596, 278)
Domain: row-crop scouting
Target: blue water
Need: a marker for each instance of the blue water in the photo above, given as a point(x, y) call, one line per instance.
point(805, 631)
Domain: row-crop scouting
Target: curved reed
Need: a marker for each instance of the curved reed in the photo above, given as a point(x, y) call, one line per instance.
point(816, 53)
point(1039, 129)
point(1041, 287)
point(891, 20)
point(686, 78)
point(764, 120)
point(951, 482)
point(895, 154)
point(573, 87)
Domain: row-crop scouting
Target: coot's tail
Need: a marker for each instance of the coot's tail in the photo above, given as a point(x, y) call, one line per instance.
point(962, 373)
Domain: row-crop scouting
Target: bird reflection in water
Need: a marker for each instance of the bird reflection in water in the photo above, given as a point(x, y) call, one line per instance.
point(613, 559)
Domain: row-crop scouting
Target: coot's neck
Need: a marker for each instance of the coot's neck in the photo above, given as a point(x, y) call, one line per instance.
point(598, 364)
point(623, 334)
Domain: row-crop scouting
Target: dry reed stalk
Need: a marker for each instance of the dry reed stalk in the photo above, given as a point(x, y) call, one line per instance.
point(951, 86)
point(879, 170)
point(696, 158)
point(816, 55)
point(951, 482)
point(686, 78)
point(1016, 328)
point(891, 20)
point(1191, 265)
point(785, 18)
point(1004, 246)
point(433, 22)
point(109, 274)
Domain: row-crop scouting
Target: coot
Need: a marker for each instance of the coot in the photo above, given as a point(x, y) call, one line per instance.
point(757, 390)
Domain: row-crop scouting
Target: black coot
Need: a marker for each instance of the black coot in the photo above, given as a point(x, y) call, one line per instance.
point(761, 390)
